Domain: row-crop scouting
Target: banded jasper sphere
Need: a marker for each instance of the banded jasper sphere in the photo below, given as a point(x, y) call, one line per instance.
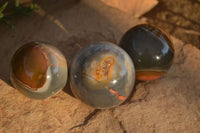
point(102, 75)
point(38, 70)
point(151, 50)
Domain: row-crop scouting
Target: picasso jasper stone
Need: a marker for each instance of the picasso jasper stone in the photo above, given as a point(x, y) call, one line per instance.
point(102, 75)
point(38, 70)
point(151, 50)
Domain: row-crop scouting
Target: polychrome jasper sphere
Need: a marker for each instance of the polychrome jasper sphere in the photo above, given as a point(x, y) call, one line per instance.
point(102, 75)
point(151, 50)
point(38, 70)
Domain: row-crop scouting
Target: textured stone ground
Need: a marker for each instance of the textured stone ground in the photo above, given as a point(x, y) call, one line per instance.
point(170, 104)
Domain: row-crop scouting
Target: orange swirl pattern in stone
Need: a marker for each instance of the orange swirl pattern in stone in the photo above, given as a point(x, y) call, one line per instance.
point(117, 94)
point(149, 75)
point(30, 66)
point(103, 71)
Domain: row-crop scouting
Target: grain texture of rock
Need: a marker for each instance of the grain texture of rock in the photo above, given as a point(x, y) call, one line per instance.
point(170, 104)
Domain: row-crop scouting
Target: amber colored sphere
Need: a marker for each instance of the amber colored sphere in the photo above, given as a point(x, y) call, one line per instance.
point(151, 50)
point(102, 75)
point(38, 70)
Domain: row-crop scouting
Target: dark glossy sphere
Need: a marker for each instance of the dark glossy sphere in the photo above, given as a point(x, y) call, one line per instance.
point(102, 75)
point(151, 50)
point(38, 70)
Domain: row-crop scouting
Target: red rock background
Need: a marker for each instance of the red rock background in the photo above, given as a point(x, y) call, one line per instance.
point(169, 104)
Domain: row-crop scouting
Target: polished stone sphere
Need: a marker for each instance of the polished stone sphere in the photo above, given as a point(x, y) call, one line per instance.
point(38, 70)
point(151, 50)
point(102, 75)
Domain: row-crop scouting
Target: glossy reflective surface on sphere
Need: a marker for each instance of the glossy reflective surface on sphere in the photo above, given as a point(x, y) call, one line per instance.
point(150, 49)
point(102, 75)
point(38, 70)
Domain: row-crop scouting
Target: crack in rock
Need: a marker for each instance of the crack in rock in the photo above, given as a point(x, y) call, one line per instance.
point(122, 127)
point(87, 119)
point(143, 98)
point(119, 122)
point(180, 56)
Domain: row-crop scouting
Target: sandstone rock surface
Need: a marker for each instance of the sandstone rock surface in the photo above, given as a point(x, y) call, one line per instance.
point(133, 7)
point(170, 104)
